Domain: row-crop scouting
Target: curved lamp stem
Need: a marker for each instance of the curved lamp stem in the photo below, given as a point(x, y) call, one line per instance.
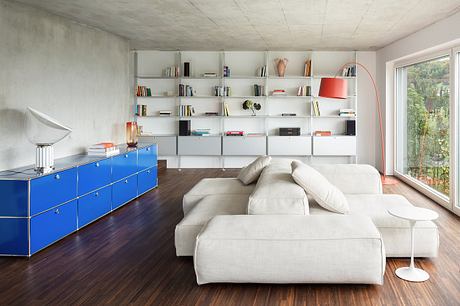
point(379, 111)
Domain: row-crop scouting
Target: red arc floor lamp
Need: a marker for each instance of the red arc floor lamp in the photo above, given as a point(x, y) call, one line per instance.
point(337, 88)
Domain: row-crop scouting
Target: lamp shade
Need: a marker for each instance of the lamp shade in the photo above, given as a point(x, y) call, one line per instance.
point(335, 88)
point(44, 130)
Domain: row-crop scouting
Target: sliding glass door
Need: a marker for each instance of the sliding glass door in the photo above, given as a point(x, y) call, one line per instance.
point(423, 125)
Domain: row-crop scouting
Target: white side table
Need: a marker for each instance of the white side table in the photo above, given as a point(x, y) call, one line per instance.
point(413, 214)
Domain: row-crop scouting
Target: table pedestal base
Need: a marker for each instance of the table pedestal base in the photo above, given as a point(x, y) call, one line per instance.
point(412, 274)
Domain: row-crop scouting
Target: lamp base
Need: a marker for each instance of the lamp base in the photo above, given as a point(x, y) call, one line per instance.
point(44, 159)
point(388, 180)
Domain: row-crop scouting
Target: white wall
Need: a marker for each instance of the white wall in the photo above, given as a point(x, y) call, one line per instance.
point(441, 35)
point(77, 74)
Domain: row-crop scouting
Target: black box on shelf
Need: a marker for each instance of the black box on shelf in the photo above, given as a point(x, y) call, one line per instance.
point(351, 128)
point(290, 131)
point(185, 127)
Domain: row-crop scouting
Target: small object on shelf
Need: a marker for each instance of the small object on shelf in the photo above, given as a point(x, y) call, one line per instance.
point(234, 133)
point(143, 91)
point(248, 104)
point(226, 111)
point(144, 110)
point(262, 71)
point(350, 128)
point(289, 131)
point(279, 92)
point(185, 127)
point(281, 64)
point(210, 75)
point(165, 113)
point(226, 72)
point(259, 90)
point(201, 132)
point(349, 71)
point(307, 68)
point(255, 134)
point(288, 114)
point(210, 114)
point(347, 112)
point(322, 133)
point(316, 110)
point(187, 66)
point(131, 133)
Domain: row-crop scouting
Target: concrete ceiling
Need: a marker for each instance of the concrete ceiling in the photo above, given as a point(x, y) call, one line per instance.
point(255, 24)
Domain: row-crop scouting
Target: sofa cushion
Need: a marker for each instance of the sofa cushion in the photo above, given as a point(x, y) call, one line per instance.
point(251, 172)
point(315, 184)
point(218, 186)
point(289, 249)
point(208, 207)
point(395, 231)
point(276, 193)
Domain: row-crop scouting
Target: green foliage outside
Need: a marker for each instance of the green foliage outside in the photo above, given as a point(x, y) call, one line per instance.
point(428, 123)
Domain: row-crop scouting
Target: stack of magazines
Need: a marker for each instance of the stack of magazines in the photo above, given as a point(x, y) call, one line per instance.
point(104, 149)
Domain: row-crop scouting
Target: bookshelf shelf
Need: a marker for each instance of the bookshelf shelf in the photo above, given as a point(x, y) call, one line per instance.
point(244, 68)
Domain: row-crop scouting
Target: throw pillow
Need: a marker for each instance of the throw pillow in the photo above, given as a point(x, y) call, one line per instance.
point(251, 172)
point(315, 184)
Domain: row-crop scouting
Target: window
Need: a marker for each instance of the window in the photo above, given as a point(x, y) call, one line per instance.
point(422, 126)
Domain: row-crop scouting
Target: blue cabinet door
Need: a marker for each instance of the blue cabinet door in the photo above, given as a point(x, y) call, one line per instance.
point(146, 180)
point(14, 198)
point(94, 205)
point(124, 191)
point(53, 189)
point(14, 238)
point(147, 157)
point(52, 225)
point(93, 176)
point(124, 165)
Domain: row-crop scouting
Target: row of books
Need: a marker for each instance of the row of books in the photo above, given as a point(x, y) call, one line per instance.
point(185, 90)
point(143, 91)
point(259, 90)
point(304, 90)
point(349, 71)
point(262, 71)
point(171, 72)
point(307, 68)
point(347, 112)
point(186, 110)
point(104, 149)
point(141, 110)
point(222, 91)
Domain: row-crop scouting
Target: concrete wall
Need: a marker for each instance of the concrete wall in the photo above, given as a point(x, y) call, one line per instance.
point(438, 36)
point(76, 74)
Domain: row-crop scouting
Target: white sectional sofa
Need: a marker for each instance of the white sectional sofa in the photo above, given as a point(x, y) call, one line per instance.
point(276, 196)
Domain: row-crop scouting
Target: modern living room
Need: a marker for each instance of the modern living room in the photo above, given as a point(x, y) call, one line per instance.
point(245, 152)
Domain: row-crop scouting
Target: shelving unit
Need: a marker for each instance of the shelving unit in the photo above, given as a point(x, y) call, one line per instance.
point(149, 66)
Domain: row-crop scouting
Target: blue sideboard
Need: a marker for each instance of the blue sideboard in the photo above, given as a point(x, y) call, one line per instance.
point(38, 210)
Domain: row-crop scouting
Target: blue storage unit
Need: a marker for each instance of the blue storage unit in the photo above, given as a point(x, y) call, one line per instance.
point(38, 210)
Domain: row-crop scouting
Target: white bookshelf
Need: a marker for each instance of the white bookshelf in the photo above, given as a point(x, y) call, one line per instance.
point(149, 71)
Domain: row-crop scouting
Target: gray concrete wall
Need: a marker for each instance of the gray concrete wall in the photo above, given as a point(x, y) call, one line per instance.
point(76, 74)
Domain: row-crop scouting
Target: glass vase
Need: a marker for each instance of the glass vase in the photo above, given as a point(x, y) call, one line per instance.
point(131, 133)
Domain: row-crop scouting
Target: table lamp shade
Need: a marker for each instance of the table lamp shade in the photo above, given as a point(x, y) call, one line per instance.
point(335, 88)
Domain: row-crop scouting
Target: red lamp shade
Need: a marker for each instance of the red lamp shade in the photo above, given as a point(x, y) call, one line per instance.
point(335, 88)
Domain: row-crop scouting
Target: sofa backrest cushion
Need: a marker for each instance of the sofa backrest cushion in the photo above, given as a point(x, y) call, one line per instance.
point(276, 193)
point(251, 172)
point(316, 185)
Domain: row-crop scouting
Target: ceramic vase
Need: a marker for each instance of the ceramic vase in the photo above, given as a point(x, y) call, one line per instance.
point(281, 64)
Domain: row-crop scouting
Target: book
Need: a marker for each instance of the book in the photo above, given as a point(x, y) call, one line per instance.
point(102, 145)
point(211, 113)
point(279, 92)
point(316, 110)
point(323, 133)
point(104, 154)
point(288, 114)
point(226, 112)
point(234, 133)
point(209, 75)
point(307, 68)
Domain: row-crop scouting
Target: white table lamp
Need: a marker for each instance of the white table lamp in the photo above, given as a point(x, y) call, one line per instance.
point(44, 132)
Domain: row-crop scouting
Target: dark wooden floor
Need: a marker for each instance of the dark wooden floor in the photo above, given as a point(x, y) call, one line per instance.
point(129, 258)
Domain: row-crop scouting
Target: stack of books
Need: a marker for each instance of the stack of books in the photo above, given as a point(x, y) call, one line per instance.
point(185, 90)
point(262, 71)
point(234, 133)
point(307, 68)
point(323, 133)
point(255, 134)
point(349, 71)
point(259, 90)
point(201, 132)
point(165, 113)
point(211, 114)
point(316, 111)
point(186, 110)
point(279, 92)
point(143, 91)
point(104, 149)
point(347, 112)
point(171, 72)
point(209, 75)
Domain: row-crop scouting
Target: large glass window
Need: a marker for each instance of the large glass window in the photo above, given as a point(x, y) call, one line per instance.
point(423, 123)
